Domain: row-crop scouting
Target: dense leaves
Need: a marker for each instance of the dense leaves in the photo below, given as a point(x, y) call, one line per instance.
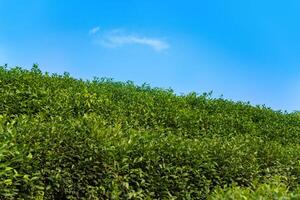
point(63, 138)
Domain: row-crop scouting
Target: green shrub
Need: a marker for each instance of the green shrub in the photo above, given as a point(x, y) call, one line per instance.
point(63, 138)
point(270, 190)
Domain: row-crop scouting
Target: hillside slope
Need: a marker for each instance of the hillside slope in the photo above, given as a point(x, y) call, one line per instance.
point(63, 138)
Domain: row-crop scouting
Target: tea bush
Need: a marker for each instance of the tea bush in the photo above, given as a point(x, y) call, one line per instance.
point(274, 189)
point(64, 138)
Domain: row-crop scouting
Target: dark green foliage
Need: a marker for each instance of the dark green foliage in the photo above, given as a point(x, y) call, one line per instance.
point(62, 138)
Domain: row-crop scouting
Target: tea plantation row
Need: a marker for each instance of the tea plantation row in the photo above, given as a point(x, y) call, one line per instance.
point(64, 138)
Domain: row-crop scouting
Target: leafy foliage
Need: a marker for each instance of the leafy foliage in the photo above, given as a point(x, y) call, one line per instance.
point(63, 138)
point(274, 189)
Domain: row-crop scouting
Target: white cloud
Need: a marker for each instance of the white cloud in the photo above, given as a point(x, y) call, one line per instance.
point(120, 40)
point(94, 30)
point(117, 38)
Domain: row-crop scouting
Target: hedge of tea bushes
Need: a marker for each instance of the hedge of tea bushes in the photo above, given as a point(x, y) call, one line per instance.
point(63, 138)
point(272, 189)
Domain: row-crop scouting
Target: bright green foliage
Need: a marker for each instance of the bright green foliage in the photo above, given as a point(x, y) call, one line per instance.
point(274, 189)
point(62, 138)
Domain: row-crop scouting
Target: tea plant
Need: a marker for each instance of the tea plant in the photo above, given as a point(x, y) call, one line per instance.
point(64, 138)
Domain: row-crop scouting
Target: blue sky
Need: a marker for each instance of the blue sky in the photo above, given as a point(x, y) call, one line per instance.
point(243, 50)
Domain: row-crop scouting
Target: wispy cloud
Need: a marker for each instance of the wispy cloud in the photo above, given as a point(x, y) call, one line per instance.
point(118, 38)
point(94, 30)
